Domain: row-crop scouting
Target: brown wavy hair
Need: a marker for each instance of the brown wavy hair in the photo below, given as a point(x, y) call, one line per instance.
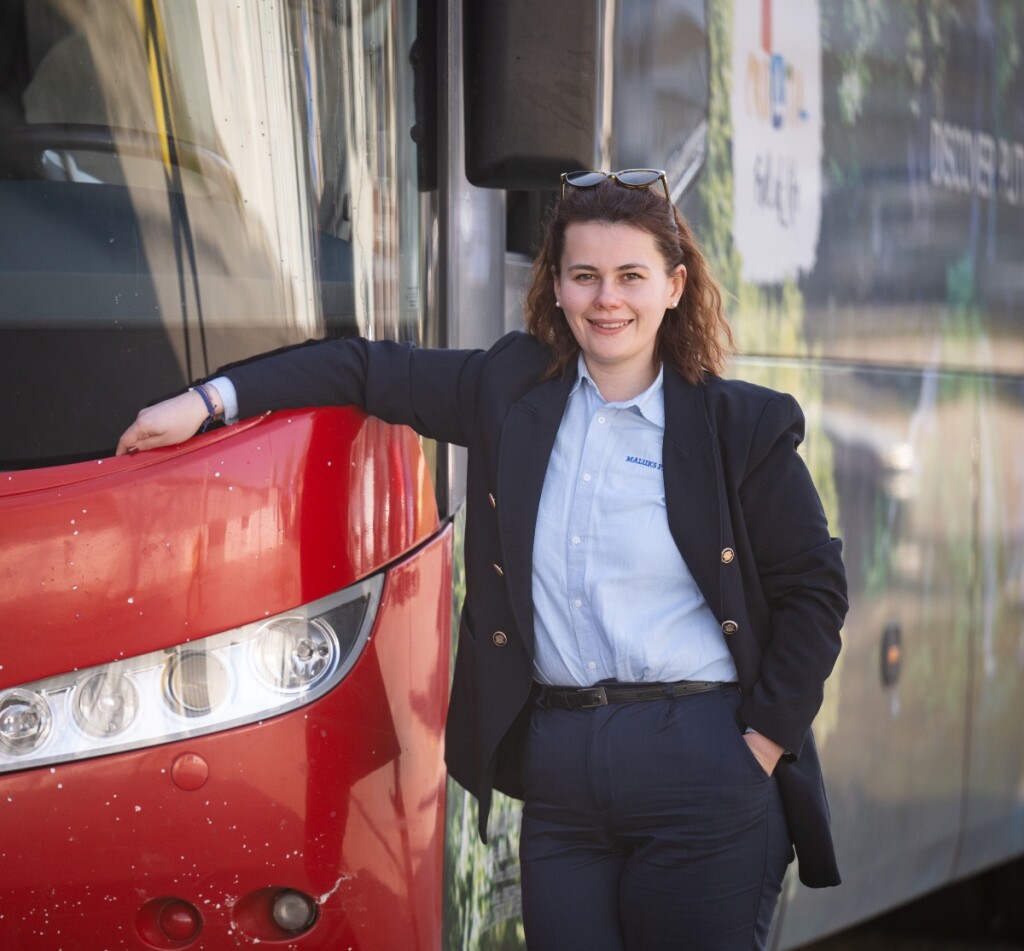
point(694, 337)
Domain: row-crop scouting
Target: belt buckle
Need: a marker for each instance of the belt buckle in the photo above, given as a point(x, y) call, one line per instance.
point(599, 695)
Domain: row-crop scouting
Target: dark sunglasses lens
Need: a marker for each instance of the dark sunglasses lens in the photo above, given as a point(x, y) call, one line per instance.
point(584, 179)
point(638, 177)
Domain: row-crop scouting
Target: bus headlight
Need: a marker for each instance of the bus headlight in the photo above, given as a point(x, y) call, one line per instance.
point(24, 722)
point(196, 682)
point(293, 654)
point(105, 703)
point(215, 683)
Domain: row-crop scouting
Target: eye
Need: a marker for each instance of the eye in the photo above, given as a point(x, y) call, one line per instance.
point(631, 276)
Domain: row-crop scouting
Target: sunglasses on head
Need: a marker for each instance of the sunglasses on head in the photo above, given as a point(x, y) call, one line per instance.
point(627, 178)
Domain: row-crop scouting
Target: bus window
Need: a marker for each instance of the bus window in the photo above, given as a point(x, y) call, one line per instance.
point(185, 185)
point(660, 88)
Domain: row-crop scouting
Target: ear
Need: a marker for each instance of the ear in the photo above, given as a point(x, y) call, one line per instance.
point(677, 283)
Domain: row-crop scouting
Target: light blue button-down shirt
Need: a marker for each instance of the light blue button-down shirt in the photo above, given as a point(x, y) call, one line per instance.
point(613, 597)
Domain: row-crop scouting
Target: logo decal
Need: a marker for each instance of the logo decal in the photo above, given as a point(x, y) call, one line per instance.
point(638, 461)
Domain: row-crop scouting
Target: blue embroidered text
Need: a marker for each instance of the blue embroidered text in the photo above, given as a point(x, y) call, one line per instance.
point(644, 462)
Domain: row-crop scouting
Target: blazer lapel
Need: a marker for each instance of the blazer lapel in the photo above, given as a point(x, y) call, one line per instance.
point(692, 484)
point(527, 438)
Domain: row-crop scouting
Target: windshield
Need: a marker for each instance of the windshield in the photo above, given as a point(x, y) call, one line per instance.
point(185, 184)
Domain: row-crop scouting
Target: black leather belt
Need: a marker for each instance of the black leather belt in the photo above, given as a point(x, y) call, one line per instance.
point(585, 698)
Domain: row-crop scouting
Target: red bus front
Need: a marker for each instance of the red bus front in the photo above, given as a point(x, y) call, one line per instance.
point(223, 667)
point(198, 774)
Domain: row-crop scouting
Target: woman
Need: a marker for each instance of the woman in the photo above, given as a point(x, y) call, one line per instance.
point(653, 598)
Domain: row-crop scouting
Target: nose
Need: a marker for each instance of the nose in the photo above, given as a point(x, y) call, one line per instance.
point(607, 296)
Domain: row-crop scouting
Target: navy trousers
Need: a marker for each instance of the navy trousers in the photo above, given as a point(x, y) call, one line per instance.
point(647, 827)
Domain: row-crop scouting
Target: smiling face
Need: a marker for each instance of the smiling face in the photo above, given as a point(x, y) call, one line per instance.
point(614, 290)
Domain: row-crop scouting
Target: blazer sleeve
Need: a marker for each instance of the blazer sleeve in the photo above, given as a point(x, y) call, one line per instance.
point(433, 391)
point(801, 575)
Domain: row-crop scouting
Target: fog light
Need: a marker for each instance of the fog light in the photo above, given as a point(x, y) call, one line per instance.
point(294, 911)
point(24, 721)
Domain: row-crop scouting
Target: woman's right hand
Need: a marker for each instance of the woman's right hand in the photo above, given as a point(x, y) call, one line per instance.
point(168, 423)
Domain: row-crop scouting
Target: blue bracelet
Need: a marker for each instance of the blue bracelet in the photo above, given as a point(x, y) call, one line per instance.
point(211, 412)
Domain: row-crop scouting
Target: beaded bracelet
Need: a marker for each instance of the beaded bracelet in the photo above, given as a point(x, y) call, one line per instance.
point(211, 417)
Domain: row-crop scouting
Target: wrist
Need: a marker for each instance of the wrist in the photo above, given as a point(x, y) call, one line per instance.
point(211, 403)
point(214, 394)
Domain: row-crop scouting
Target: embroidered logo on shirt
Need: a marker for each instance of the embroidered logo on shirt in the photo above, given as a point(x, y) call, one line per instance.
point(637, 460)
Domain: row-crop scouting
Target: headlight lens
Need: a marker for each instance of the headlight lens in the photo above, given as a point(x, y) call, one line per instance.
point(216, 683)
point(24, 721)
point(105, 703)
point(293, 654)
point(196, 683)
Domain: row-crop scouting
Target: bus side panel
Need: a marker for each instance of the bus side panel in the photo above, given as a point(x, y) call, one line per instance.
point(861, 203)
point(994, 815)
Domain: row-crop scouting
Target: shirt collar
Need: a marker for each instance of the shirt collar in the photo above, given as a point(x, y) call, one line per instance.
point(650, 404)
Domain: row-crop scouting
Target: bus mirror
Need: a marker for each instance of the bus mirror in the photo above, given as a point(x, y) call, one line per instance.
point(532, 90)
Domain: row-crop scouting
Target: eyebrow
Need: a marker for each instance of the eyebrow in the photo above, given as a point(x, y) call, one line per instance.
point(621, 267)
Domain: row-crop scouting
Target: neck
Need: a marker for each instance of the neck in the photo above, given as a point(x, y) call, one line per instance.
point(617, 384)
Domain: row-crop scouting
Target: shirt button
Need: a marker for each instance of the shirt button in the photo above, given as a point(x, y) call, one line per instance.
point(727, 556)
point(729, 627)
point(600, 419)
point(498, 569)
point(577, 603)
point(576, 539)
point(586, 477)
point(592, 665)
point(499, 638)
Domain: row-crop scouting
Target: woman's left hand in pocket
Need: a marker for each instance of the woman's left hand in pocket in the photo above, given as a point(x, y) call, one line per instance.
point(767, 752)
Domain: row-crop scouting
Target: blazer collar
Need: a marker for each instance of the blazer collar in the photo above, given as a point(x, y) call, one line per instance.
point(527, 439)
point(693, 484)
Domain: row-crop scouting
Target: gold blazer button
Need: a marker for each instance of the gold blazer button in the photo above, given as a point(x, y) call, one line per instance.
point(727, 556)
point(499, 570)
point(492, 500)
point(499, 638)
point(729, 627)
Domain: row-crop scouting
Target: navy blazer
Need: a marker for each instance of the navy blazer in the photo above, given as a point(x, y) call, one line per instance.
point(741, 507)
